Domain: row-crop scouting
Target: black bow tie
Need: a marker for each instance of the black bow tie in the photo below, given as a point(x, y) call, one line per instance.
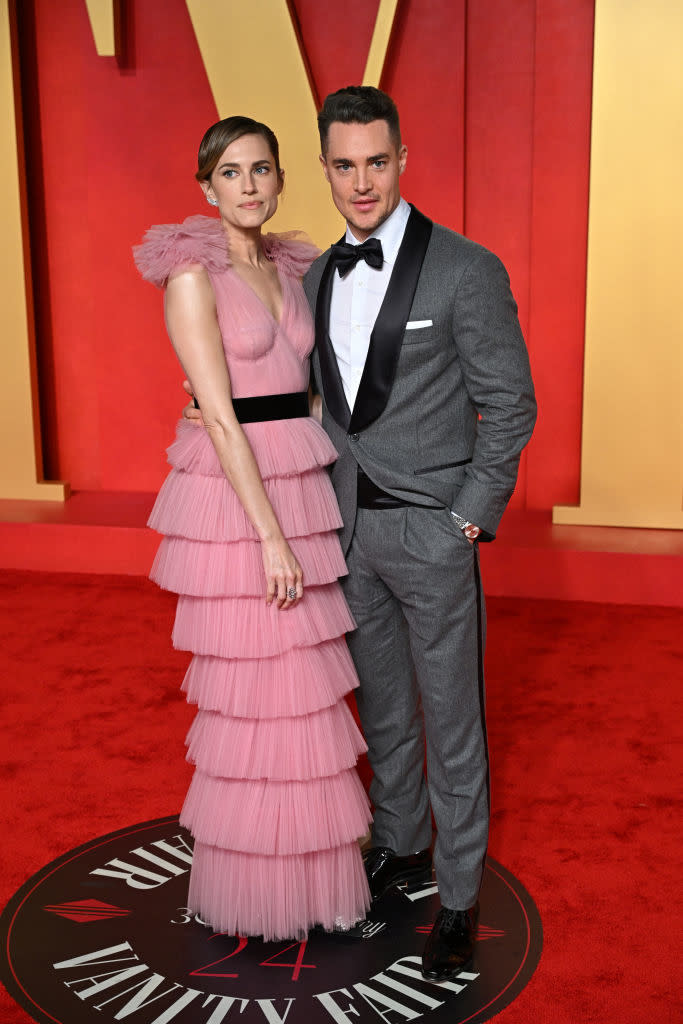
point(345, 256)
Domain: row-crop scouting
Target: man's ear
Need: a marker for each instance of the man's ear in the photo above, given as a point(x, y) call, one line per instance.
point(402, 159)
point(323, 161)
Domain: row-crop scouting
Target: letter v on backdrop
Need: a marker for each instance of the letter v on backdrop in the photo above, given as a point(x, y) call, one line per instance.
point(255, 66)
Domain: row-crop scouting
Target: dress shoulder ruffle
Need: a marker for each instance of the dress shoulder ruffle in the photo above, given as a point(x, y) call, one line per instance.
point(167, 247)
point(199, 239)
point(292, 251)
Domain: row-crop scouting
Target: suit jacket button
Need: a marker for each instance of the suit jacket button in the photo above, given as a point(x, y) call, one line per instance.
point(354, 437)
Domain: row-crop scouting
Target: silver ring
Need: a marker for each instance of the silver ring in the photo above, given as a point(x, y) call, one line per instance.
point(291, 593)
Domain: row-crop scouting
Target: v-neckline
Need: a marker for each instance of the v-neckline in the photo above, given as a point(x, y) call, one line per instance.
point(269, 312)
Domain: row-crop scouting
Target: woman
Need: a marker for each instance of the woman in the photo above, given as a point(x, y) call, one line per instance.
point(249, 519)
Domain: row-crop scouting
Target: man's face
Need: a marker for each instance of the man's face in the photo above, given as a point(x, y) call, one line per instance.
point(363, 165)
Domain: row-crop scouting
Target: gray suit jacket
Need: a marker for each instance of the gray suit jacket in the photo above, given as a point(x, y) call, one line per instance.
point(443, 410)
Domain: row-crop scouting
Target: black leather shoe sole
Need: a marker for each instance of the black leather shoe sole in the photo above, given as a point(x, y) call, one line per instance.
point(447, 973)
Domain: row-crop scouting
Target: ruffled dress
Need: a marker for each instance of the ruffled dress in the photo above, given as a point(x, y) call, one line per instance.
point(275, 804)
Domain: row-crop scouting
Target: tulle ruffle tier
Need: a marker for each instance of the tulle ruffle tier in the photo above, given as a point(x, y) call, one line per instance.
point(246, 627)
point(273, 817)
point(298, 682)
point(206, 569)
point(326, 887)
point(301, 747)
point(282, 447)
point(275, 804)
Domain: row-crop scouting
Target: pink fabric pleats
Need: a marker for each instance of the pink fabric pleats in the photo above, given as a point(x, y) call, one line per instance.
point(325, 887)
point(299, 681)
point(277, 455)
point(275, 804)
point(200, 568)
point(299, 747)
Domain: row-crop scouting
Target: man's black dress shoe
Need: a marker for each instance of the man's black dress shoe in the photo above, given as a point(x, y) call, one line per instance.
point(450, 944)
point(385, 868)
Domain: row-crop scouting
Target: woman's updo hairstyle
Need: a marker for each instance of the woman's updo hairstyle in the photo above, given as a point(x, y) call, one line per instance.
point(220, 135)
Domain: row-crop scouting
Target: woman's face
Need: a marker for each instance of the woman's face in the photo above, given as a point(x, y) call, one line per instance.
point(245, 182)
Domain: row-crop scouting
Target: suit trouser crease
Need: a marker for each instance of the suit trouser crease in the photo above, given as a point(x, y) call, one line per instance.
point(414, 590)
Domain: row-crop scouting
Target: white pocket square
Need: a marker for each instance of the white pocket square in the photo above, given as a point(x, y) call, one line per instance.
point(412, 325)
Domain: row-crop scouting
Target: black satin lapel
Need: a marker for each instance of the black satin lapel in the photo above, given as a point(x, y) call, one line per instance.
point(387, 335)
point(331, 382)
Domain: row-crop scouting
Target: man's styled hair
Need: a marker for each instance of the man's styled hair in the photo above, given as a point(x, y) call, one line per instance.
point(358, 104)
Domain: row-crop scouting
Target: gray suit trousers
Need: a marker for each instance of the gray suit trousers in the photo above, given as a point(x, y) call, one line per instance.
point(415, 593)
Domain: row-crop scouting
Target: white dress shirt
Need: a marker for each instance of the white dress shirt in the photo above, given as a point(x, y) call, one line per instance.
point(356, 300)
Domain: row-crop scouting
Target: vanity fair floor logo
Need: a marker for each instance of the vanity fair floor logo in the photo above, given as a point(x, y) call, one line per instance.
point(102, 934)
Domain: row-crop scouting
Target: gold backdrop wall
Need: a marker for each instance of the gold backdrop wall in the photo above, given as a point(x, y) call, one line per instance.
point(20, 450)
point(632, 444)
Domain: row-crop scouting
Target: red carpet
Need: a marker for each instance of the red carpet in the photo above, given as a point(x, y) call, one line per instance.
point(582, 708)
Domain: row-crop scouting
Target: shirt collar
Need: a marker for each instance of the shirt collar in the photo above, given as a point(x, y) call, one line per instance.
point(390, 232)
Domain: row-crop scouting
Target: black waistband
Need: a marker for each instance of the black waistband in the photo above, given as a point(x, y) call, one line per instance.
point(270, 407)
point(372, 496)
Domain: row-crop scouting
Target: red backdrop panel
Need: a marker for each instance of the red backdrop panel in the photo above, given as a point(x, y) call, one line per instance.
point(499, 152)
point(335, 39)
point(494, 100)
point(425, 74)
point(118, 154)
point(559, 218)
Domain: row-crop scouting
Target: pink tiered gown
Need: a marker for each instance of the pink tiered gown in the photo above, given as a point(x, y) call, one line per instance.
point(275, 804)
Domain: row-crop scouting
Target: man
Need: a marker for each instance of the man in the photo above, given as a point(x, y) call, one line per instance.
point(427, 396)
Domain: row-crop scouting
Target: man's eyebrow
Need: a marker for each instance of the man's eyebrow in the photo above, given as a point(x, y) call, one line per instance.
point(369, 159)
